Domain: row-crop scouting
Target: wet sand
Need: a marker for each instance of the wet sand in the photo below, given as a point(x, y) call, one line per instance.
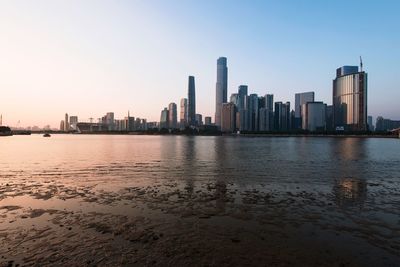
point(45, 222)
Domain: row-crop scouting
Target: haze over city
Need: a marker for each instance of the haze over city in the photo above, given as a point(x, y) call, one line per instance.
point(87, 58)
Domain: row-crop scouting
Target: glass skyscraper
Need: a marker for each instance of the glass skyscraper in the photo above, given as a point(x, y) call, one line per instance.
point(221, 91)
point(191, 102)
point(350, 99)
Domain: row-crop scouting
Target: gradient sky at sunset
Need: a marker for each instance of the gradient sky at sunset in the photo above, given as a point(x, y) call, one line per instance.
point(90, 57)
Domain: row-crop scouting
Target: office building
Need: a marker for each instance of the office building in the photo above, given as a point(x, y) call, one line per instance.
point(164, 119)
point(269, 105)
point(173, 116)
point(242, 97)
point(228, 118)
point(62, 127)
point(350, 99)
point(221, 89)
point(313, 116)
point(184, 113)
point(329, 118)
point(300, 100)
point(191, 102)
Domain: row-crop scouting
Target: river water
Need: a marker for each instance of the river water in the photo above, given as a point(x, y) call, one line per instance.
point(216, 201)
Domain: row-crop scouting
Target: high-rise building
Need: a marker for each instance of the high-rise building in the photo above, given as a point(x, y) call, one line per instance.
point(184, 112)
point(164, 119)
point(207, 121)
point(191, 102)
point(73, 121)
point(109, 120)
point(269, 105)
point(234, 99)
point(329, 118)
point(370, 123)
point(300, 99)
point(253, 112)
point(66, 123)
point(313, 116)
point(264, 124)
point(221, 90)
point(199, 119)
point(228, 117)
point(282, 116)
point(242, 97)
point(172, 114)
point(350, 99)
point(62, 127)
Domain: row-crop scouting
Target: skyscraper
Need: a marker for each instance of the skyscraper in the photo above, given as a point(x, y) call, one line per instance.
point(221, 88)
point(350, 99)
point(300, 99)
point(66, 123)
point(164, 119)
point(269, 105)
point(172, 114)
point(282, 116)
point(191, 102)
point(184, 112)
point(242, 97)
point(253, 112)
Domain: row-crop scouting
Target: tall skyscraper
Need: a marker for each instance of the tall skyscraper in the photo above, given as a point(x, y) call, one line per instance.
point(184, 112)
point(191, 102)
point(199, 119)
point(300, 100)
point(66, 123)
point(228, 117)
point(221, 92)
point(172, 114)
point(62, 127)
point(350, 99)
point(370, 123)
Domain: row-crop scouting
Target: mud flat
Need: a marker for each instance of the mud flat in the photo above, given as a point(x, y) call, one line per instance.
point(45, 222)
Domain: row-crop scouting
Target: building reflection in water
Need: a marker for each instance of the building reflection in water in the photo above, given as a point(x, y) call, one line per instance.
point(350, 192)
point(351, 188)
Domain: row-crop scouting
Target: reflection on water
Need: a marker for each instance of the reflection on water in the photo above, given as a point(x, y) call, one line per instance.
point(350, 191)
point(140, 188)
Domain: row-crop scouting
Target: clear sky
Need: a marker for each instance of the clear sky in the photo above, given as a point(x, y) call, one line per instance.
point(90, 57)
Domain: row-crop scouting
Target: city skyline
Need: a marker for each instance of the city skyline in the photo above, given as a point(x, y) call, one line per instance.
point(112, 64)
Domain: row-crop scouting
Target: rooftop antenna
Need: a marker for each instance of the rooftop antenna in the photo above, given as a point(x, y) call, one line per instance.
point(361, 64)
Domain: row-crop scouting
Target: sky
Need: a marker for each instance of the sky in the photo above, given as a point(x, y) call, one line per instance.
point(90, 57)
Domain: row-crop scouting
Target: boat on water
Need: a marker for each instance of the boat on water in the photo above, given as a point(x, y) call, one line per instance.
point(5, 131)
point(46, 135)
